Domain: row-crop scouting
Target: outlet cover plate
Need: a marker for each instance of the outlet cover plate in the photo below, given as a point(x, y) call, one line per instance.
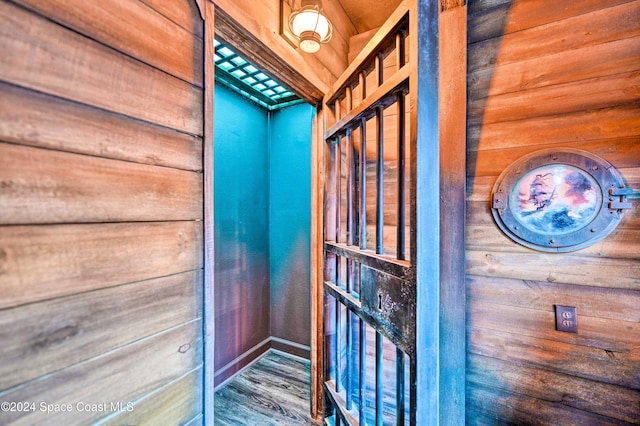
point(566, 319)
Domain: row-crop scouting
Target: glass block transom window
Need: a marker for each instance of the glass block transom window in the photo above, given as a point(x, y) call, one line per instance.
point(237, 73)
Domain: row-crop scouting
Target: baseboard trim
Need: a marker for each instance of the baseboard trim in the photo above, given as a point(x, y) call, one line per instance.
point(243, 362)
point(291, 348)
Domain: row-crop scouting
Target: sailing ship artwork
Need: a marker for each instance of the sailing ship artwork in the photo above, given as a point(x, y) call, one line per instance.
point(555, 199)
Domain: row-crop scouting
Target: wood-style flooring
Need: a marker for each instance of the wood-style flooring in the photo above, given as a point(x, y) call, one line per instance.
point(274, 391)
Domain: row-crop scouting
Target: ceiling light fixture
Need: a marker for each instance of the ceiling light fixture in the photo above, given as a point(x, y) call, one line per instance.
point(310, 26)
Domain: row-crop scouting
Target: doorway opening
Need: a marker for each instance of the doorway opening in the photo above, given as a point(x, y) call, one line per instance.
point(262, 192)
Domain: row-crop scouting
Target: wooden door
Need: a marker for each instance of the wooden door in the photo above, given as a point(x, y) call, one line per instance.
point(393, 259)
point(369, 232)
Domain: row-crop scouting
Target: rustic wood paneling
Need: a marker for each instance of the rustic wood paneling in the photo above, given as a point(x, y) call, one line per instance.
point(618, 122)
point(572, 392)
point(487, 163)
point(69, 65)
point(486, 22)
point(616, 368)
point(606, 303)
point(81, 326)
point(570, 269)
point(41, 262)
point(120, 25)
point(36, 119)
point(491, 406)
point(101, 187)
point(44, 186)
point(182, 13)
point(175, 404)
point(617, 56)
point(120, 376)
point(603, 25)
point(543, 77)
point(599, 93)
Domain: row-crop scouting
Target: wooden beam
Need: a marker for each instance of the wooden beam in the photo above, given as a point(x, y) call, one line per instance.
point(208, 238)
point(452, 96)
point(317, 237)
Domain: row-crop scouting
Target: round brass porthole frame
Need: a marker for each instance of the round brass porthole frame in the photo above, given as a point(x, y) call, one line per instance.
point(606, 200)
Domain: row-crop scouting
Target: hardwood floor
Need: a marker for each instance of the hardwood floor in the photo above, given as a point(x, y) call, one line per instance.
point(274, 391)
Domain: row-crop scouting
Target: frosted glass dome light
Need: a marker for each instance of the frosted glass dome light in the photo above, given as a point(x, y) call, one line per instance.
point(310, 26)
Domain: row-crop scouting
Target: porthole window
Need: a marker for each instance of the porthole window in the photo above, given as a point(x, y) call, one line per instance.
point(559, 200)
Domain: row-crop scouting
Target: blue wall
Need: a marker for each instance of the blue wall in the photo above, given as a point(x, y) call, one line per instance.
point(262, 213)
point(289, 229)
point(241, 221)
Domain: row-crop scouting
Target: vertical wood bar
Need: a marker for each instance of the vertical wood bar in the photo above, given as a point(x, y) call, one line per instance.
point(336, 108)
point(380, 182)
point(338, 345)
point(401, 220)
point(351, 183)
point(349, 372)
point(362, 82)
point(379, 349)
point(338, 203)
point(379, 68)
point(399, 387)
point(400, 52)
point(209, 254)
point(338, 162)
point(348, 99)
point(363, 372)
point(363, 184)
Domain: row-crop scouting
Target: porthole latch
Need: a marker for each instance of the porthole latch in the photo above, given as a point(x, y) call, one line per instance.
point(621, 203)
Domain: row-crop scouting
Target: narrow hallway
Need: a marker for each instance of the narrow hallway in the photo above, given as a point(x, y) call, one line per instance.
point(274, 391)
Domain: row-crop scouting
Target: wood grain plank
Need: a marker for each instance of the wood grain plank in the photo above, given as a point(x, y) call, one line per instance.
point(175, 404)
point(612, 335)
point(616, 56)
point(607, 303)
point(43, 262)
point(490, 406)
point(182, 13)
point(623, 153)
point(134, 29)
point(578, 270)
point(43, 56)
point(36, 119)
point(44, 186)
point(604, 399)
point(618, 122)
point(598, 93)
point(120, 376)
point(514, 16)
point(620, 244)
point(51, 335)
point(601, 26)
point(616, 368)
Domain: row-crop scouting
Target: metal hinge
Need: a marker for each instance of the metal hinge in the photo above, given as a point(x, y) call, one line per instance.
point(620, 203)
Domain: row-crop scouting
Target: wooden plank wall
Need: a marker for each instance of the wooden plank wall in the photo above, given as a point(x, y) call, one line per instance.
point(544, 76)
point(101, 195)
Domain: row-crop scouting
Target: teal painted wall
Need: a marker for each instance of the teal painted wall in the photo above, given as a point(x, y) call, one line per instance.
point(262, 184)
point(241, 222)
point(289, 229)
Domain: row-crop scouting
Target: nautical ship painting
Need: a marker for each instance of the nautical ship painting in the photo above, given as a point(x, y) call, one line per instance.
point(555, 199)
